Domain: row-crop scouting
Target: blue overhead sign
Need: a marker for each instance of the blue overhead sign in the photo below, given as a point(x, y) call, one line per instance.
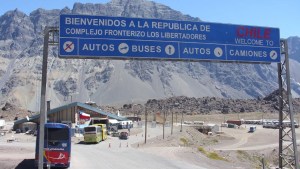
point(83, 36)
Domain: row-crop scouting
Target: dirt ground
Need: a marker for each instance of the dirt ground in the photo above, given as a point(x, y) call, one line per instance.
point(184, 146)
point(237, 147)
point(233, 148)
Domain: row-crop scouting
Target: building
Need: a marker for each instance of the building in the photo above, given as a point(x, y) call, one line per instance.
point(2, 123)
point(208, 128)
point(68, 114)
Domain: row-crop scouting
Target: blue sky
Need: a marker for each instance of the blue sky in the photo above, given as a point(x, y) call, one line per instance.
point(271, 13)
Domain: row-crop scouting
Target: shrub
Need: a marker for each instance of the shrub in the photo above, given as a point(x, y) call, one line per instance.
point(184, 141)
point(214, 156)
point(202, 150)
point(211, 155)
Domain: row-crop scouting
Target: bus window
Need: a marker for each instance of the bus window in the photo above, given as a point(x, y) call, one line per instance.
point(57, 134)
point(89, 129)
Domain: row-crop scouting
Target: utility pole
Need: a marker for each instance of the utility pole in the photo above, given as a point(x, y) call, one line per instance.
point(164, 122)
point(172, 124)
point(181, 121)
point(263, 161)
point(146, 119)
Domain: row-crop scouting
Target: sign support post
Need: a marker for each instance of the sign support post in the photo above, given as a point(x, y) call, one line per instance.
point(288, 154)
point(43, 113)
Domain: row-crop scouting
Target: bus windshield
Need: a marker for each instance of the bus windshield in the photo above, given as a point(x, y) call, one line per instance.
point(57, 134)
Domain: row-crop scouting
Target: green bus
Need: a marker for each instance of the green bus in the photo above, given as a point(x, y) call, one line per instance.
point(93, 134)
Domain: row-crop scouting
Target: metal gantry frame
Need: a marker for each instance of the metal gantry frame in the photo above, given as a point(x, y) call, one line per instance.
point(288, 154)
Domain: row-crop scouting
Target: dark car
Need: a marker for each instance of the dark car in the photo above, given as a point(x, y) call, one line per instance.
point(18, 131)
point(123, 135)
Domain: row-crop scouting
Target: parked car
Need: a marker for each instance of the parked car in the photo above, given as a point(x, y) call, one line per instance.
point(123, 135)
point(252, 129)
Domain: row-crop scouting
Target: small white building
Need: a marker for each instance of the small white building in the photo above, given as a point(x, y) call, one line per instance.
point(125, 124)
point(224, 125)
point(214, 127)
point(2, 124)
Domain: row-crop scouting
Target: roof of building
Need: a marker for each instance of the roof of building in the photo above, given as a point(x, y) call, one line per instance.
point(55, 110)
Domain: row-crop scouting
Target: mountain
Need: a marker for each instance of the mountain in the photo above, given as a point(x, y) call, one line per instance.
point(294, 48)
point(111, 82)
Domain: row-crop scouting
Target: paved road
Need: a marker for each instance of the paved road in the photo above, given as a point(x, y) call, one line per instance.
point(91, 156)
point(243, 143)
point(101, 155)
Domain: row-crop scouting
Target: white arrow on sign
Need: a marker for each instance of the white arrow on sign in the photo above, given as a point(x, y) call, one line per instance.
point(170, 49)
point(123, 48)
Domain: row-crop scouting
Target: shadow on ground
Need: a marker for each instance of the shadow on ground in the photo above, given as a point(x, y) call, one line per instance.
point(81, 142)
point(26, 164)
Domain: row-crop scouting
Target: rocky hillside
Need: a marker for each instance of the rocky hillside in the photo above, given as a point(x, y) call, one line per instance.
point(206, 105)
point(117, 82)
point(179, 104)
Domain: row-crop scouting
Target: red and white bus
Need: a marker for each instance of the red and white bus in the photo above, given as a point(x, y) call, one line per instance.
point(57, 145)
